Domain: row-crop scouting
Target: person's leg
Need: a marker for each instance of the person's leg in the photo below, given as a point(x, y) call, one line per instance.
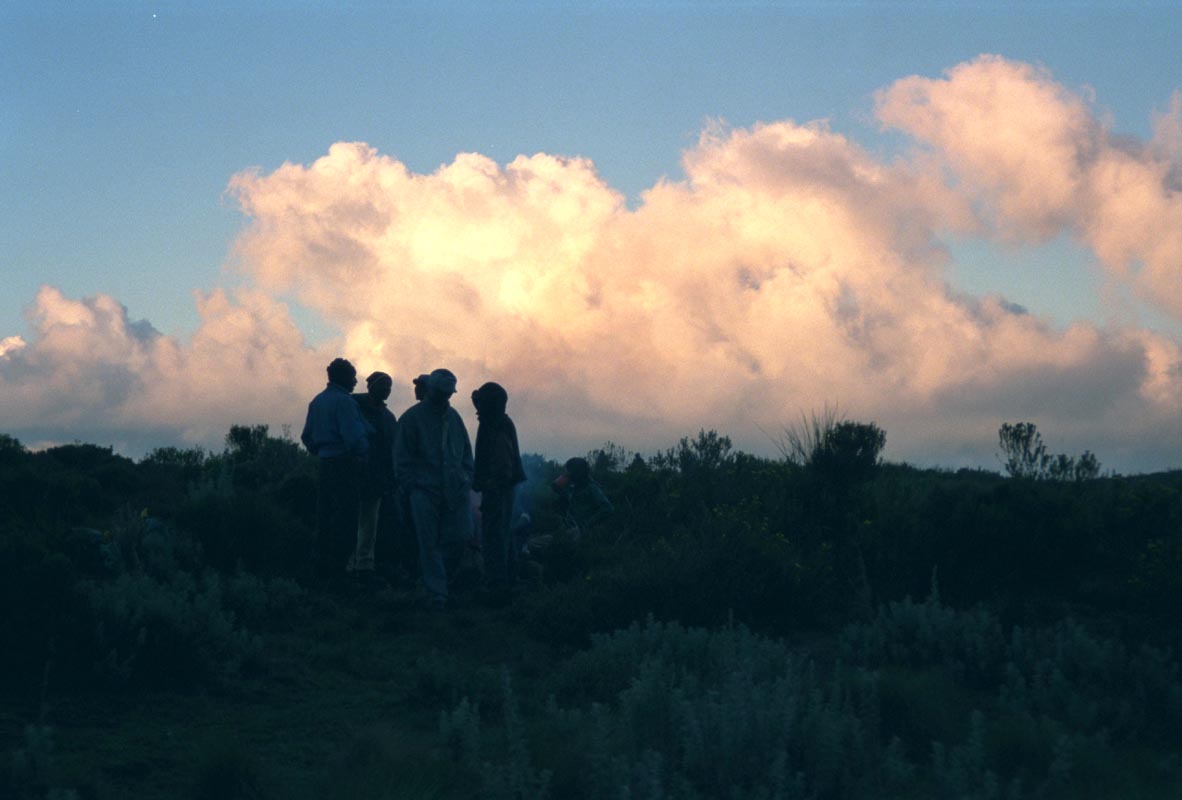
point(494, 516)
point(367, 532)
point(506, 521)
point(425, 510)
point(405, 548)
point(343, 499)
point(455, 534)
point(324, 520)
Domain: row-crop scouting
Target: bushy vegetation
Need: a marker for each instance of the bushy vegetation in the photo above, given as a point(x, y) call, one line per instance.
point(112, 593)
point(740, 627)
point(923, 701)
point(1026, 456)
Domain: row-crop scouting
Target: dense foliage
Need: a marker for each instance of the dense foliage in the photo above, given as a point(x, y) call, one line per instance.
point(822, 625)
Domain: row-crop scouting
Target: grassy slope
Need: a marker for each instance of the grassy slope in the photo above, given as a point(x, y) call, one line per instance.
point(356, 680)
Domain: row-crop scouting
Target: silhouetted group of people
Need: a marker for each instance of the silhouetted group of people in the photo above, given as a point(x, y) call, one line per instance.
point(423, 464)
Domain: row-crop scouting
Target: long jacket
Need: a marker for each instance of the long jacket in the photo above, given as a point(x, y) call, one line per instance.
point(334, 426)
point(498, 456)
point(383, 431)
point(432, 453)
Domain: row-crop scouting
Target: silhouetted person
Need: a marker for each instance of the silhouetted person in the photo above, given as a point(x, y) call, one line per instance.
point(420, 384)
point(377, 483)
point(580, 500)
point(498, 471)
point(335, 432)
point(405, 549)
point(433, 460)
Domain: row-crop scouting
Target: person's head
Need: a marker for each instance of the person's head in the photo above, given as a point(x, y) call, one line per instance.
point(379, 384)
point(420, 386)
point(490, 400)
point(578, 469)
point(441, 385)
point(342, 373)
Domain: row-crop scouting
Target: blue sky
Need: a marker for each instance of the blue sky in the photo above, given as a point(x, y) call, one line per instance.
point(121, 124)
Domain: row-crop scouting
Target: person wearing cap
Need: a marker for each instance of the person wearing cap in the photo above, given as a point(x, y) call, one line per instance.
point(378, 480)
point(336, 434)
point(420, 384)
point(498, 471)
point(404, 550)
point(433, 461)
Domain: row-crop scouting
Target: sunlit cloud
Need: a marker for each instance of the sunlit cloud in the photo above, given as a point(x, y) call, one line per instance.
point(790, 269)
point(94, 374)
point(1038, 160)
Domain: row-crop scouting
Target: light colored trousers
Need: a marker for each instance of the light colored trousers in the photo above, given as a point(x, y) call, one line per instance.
point(367, 535)
point(441, 530)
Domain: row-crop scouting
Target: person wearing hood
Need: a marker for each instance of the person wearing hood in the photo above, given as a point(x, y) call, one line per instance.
point(498, 471)
point(433, 461)
point(336, 434)
point(378, 482)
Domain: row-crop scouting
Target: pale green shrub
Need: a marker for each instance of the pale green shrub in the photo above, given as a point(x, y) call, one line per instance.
point(31, 769)
point(150, 632)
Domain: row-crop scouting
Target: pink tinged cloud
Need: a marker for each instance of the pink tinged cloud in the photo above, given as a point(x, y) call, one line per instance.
point(790, 269)
point(1038, 161)
point(92, 373)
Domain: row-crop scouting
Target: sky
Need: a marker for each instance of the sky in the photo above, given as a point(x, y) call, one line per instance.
point(642, 218)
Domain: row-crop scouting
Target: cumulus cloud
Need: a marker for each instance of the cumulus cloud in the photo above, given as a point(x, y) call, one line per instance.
point(790, 269)
point(94, 374)
point(1039, 161)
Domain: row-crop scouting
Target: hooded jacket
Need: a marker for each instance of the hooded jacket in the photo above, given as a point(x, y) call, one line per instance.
point(432, 453)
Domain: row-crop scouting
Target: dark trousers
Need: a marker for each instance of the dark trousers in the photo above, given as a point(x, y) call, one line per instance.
point(337, 498)
point(396, 536)
point(496, 518)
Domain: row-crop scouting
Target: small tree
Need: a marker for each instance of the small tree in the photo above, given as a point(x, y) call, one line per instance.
point(849, 452)
point(838, 450)
point(1024, 455)
point(246, 441)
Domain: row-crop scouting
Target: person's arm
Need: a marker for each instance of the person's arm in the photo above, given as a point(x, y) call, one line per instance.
point(468, 464)
point(601, 508)
point(389, 442)
point(306, 436)
point(501, 467)
point(352, 427)
point(405, 442)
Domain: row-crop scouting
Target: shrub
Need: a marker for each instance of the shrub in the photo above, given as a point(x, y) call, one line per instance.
point(836, 450)
point(689, 713)
point(152, 633)
point(726, 568)
point(1026, 456)
point(31, 770)
point(662, 710)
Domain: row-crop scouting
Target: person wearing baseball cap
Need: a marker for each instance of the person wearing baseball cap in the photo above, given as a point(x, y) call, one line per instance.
point(433, 462)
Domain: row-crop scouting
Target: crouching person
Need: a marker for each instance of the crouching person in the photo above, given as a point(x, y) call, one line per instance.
point(433, 462)
point(581, 502)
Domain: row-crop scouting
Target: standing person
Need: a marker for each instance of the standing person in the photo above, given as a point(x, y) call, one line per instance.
point(378, 481)
point(405, 546)
point(335, 433)
point(498, 471)
point(420, 384)
point(433, 460)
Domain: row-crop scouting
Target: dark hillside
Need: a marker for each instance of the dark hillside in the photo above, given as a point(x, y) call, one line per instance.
point(828, 627)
